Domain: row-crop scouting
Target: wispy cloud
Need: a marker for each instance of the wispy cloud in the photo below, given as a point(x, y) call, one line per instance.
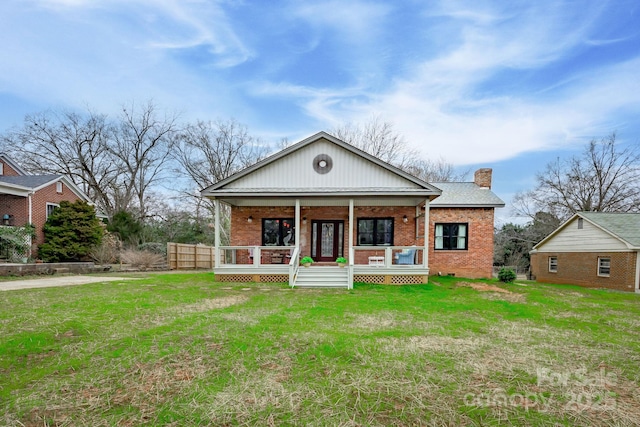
point(444, 106)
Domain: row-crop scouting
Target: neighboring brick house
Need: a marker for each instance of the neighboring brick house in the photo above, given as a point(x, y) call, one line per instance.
point(29, 199)
point(591, 249)
point(326, 199)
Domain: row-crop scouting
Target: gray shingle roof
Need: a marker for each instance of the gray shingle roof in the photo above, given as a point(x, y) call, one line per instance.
point(625, 226)
point(29, 181)
point(465, 194)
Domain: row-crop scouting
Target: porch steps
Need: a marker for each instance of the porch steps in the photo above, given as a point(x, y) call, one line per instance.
point(322, 277)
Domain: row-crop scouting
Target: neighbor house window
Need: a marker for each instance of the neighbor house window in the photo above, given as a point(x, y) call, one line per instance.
point(604, 267)
point(59, 187)
point(451, 236)
point(375, 231)
point(278, 232)
point(580, 223)
point(1, 168)
point(50, 208)
point(553, 264)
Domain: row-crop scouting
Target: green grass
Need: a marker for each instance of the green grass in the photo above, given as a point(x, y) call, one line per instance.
point(182, 349)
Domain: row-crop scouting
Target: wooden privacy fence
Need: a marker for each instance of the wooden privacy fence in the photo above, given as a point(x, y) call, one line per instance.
point(190, 257)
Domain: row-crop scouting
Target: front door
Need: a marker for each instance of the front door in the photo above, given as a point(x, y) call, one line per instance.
point(327, 239)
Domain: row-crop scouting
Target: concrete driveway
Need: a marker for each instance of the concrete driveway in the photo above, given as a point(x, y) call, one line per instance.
point(50, 282)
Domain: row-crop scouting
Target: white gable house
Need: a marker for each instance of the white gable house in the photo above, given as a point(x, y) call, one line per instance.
point(325, 199)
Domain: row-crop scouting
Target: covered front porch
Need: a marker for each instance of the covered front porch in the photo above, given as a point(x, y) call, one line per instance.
point(282, 231)
point(323, 198)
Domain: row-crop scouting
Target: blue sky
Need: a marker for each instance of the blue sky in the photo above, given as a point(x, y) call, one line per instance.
point(510, 85)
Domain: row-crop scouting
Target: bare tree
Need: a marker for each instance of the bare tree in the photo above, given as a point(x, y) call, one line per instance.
point(141, 145)
point(70, 144)
point(604, 178)
point(211, 151)
point(436, 171)
point(379, 139)
point(208, 152)
point(114, 162)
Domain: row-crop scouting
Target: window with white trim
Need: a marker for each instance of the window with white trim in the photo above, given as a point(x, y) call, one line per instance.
point(604, 267)
point(375, 231)
point(50, 208)
point(451, 236)
point(553, 264)
point(278, 232)
point(59, 187)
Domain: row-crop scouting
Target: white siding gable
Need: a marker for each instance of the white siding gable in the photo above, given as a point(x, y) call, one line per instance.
point(296, 171)
point(588, 239)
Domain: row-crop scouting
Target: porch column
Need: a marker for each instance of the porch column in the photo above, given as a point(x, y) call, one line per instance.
point(350, 227)
point(297, 237)
point(425, 256)
point(216, 244)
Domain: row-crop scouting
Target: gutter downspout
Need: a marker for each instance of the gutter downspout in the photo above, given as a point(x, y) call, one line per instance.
point(637, 287)
point(30, 202)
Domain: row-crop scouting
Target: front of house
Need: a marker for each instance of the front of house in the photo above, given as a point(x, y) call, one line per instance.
point(325, 199)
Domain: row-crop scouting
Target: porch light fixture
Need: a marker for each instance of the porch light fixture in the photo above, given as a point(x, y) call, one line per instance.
point(304, 219)
point(405, 219)
point(250, 219)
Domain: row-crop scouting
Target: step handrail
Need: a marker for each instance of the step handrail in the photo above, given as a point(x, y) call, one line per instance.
point(294, 265)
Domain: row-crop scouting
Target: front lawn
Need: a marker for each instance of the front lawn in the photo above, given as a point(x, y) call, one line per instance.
point(182, 349)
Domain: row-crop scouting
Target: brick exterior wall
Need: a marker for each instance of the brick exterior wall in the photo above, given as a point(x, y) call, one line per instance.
point(8, 170)
point(581, 268)
point(18, 207)
point(476, 262)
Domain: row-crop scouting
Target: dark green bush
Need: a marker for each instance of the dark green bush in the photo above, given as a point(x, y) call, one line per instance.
point(506, 275)
point(71, 231)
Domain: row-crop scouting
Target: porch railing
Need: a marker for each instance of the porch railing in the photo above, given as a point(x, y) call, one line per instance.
point(255, 256)
point(388, 256)
point(294, 265)
point(359, 256)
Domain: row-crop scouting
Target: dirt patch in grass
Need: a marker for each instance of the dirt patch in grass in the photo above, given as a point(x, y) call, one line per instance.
point(494, 292)
point(213, 304)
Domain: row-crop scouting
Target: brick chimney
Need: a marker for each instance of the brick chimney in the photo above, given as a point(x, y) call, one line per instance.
point(482, 177)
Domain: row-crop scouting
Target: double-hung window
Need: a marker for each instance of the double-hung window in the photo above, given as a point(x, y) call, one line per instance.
point(278, 232)
point(604, 267)
point(553, 264)
point(452, 236)
point(375, 231)
point(50, 208)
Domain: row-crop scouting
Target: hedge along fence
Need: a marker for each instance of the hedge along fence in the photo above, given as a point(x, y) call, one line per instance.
point(190, 257)
point(15, 242)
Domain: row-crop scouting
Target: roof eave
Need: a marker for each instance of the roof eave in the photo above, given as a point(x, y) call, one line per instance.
point(468, 205)
point(342, 194)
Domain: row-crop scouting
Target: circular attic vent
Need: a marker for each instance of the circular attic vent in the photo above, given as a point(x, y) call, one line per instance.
point(322, 163)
